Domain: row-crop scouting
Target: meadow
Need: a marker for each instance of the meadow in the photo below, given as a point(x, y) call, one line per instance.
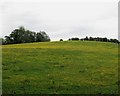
point(66, 67)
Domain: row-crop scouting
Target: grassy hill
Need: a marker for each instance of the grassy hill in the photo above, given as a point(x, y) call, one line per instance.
point(68, 67)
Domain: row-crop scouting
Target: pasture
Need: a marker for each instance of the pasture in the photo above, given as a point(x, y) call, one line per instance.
point(67, 67)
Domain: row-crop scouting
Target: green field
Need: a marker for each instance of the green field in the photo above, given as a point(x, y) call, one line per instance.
point(68, 67)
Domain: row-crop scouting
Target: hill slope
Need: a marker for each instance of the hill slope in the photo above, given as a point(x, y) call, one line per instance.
point(69, 67)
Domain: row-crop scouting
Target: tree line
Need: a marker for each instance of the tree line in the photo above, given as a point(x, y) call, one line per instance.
point(21, 35)
point(95, 39)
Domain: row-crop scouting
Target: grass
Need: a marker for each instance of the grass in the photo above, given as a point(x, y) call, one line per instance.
point(68, 67)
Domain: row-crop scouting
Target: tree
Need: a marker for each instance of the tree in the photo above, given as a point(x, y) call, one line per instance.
point(91, 38)
point(39, 37)
point(97, 39)
point(45, 36)
point(21, 35)
point(18, 35)
point(42, 37)
point(69, 39)
point(105, 39)
point(61, 39)
point(2, 41)
point(86, 38)
point(8, 40)
point(75, 38)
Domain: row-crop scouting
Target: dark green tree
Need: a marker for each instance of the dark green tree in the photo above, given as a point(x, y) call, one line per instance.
point(86, 38)
point(18, 35)
point(61, 39)
point(42, 37)
point(21, 35)
point(2, 41)
point(8, 40)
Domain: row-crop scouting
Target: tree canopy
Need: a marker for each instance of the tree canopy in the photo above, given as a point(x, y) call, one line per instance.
point(21, 35)
point(104, 39)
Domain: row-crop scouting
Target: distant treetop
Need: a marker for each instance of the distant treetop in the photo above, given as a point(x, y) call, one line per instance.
point(95, 39)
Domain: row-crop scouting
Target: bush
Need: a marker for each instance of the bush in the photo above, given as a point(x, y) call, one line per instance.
point(61, 39)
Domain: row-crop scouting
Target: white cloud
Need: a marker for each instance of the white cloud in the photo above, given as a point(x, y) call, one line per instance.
point(62, 20)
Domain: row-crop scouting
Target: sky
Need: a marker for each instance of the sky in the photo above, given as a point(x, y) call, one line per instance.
point(61, 19)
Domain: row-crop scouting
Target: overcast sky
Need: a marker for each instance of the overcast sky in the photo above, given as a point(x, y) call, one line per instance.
point(62, 19)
